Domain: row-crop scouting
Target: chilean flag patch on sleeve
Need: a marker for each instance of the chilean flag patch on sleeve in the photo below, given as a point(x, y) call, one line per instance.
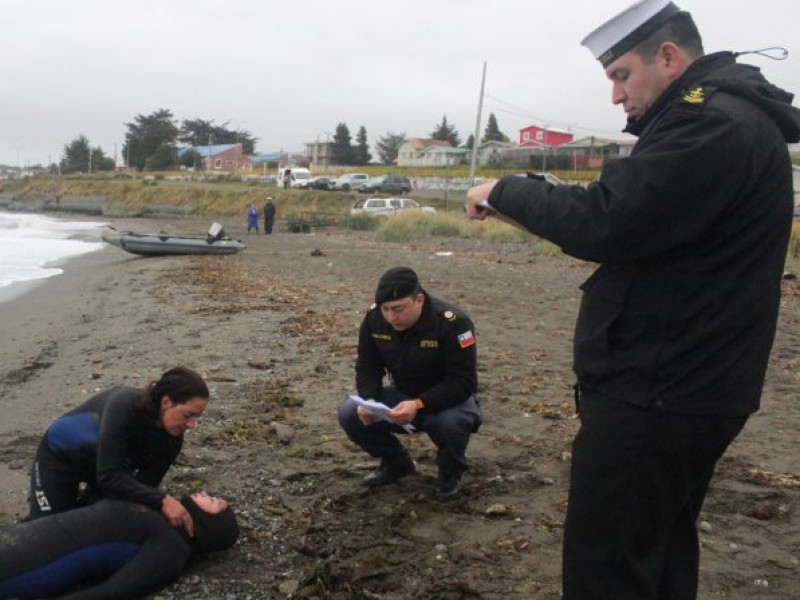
point(466, 339)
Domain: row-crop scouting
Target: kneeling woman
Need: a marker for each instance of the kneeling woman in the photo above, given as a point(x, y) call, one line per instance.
point(131, 546)
point(119, 444)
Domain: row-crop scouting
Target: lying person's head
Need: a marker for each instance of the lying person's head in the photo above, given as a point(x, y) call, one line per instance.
point(215, 525)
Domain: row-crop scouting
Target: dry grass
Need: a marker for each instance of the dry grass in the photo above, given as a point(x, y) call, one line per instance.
point(793, 254)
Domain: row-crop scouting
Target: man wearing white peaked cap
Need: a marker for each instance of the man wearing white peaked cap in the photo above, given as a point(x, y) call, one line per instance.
point(676, 325)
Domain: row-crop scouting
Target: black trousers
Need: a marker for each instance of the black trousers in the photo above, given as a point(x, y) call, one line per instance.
point(638, 481)
point(449, 429)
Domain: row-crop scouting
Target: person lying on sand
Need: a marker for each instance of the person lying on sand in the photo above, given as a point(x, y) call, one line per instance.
point(111, 549)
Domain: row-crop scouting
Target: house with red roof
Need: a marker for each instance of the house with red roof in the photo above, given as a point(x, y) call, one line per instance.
point(534, 136)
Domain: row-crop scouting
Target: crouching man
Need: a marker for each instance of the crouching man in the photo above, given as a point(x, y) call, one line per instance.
point(427, 347)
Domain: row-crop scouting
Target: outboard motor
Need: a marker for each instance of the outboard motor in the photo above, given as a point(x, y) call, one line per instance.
point(215, 232)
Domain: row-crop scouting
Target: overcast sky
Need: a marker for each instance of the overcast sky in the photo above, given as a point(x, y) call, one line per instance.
point(289, 72)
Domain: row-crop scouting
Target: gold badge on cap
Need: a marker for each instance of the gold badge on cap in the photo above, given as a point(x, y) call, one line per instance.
point(449, 315)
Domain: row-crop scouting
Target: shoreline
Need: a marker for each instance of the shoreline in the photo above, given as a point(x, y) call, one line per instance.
point(18, 289)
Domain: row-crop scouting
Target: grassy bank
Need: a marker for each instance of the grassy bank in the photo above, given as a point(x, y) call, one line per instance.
point(221, 198)
point(793, 255)
point(214, 198)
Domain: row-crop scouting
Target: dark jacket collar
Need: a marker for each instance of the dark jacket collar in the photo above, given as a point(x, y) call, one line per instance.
point(720, 71)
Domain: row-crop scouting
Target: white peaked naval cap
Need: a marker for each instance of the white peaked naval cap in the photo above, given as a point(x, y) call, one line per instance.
point(623, 32)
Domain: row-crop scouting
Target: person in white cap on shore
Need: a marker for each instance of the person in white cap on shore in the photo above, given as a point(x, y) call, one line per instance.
point(675, 326)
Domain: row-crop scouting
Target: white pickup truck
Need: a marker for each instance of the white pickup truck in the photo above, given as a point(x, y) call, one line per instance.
point(349, 181)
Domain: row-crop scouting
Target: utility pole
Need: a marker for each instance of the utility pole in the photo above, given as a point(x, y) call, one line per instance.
point(477, 131)
point(208, 154)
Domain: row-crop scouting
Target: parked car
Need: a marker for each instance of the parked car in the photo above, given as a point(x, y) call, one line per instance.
point(387, 207)
point(317, 183)
point(349, 181)
point(388, 184)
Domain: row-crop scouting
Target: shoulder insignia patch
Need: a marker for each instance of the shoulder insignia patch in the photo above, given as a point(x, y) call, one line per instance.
point(696, 96)
point(449, 315)
point(466, 339)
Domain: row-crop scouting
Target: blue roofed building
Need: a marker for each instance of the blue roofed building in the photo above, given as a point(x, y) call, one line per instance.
point(222, 157)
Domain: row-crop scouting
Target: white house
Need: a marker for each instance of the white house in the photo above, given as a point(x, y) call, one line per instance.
point(412, 152)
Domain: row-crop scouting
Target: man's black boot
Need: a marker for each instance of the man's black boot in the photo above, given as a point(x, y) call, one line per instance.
point(390, 471)
point(448, 486)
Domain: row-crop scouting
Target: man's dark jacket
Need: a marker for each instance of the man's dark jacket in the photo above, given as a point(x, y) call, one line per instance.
point(435, 360)
point(691, 232)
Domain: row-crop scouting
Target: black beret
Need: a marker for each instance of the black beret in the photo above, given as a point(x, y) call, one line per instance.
point(396, 283)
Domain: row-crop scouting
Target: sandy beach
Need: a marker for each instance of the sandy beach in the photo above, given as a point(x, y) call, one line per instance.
point(274, 331)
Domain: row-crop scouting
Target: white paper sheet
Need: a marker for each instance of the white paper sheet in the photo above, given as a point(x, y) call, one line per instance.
point(380, 411)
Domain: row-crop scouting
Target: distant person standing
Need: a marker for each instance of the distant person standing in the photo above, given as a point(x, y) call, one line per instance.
point(269, 216)
point(287, 179)
point(252, 218)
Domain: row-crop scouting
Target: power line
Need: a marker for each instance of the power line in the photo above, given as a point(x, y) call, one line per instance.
point(521, 112)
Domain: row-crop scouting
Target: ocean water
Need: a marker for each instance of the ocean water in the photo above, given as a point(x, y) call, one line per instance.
point(31, 246)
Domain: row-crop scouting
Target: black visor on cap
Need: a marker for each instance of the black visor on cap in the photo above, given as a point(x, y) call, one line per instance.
point(396, 283)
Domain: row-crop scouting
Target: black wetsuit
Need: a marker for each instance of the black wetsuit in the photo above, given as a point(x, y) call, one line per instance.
point(110, 445)
point(128, 549)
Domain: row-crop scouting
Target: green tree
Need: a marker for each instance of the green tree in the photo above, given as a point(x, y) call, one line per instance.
point(101, 162)
point(388, 146)
point(237, 136)
point(361, 150)
point(76, 156)
point(342, 149)
point(445, 131)
point(146, 135)
point(492, 132)
point(190, 158)
point(470, 142)
point(199, 132)
point(163, 159)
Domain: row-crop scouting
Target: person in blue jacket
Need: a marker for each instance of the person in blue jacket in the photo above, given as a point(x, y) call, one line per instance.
point(252, 218)
point(119, 444)
point(111, 549)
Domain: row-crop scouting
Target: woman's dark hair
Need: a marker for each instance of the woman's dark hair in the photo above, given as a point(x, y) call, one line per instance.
point(181, 384)
point(681, 30)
